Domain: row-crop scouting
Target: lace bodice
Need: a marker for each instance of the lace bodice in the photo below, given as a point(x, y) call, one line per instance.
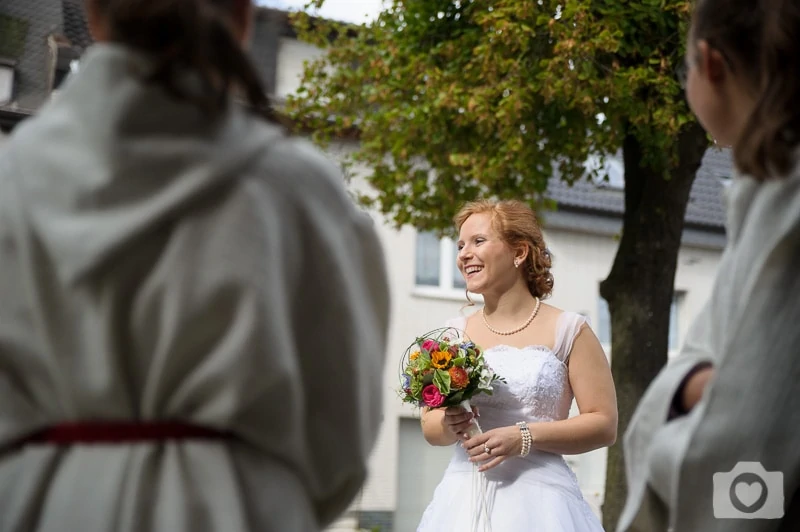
point(535, 493)
point(537, 382)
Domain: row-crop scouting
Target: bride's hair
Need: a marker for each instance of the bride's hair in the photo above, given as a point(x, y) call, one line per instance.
point(516, 224)
point(194, 35)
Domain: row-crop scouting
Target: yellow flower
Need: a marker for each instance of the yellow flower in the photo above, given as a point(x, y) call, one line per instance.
point(414, 356)
point(440, 359)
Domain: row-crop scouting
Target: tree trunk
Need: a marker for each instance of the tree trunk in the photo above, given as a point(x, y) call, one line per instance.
point(639, 289)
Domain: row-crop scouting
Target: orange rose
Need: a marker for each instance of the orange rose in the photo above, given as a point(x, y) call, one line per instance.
point(458, 378)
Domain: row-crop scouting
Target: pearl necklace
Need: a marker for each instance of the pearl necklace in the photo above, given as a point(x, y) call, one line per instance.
point(518, 329)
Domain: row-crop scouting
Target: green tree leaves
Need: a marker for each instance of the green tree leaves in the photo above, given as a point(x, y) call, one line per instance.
point(454, 100)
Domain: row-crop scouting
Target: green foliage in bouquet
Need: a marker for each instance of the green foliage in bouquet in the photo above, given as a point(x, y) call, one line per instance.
point(442, 369)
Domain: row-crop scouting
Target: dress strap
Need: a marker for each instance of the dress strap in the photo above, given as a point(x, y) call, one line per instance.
point(568, 326)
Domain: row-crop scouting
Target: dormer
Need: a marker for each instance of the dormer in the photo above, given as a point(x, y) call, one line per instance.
point(62, 56)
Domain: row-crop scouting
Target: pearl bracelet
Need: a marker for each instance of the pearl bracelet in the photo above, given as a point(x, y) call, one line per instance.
point(527, 439)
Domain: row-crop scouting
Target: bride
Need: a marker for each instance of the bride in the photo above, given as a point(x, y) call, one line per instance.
point(546, 357)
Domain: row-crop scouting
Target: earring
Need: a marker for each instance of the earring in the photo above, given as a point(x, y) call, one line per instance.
point(516, 263)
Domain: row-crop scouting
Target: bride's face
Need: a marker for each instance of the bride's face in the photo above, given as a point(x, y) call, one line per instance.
point(484, 259)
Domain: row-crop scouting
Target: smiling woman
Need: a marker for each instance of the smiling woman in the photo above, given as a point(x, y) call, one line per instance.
point(546, 357)
point(489, 228)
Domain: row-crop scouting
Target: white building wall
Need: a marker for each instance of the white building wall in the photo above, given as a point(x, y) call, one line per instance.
point(291, 57)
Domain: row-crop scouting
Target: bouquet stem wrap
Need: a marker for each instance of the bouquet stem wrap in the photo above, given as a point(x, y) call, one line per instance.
point(481, 517)
point(474, 428)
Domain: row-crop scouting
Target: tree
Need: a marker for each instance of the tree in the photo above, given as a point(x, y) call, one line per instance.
point(457, 99)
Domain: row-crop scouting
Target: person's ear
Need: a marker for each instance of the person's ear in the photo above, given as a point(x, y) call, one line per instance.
point(711, 62)
point(521, 256)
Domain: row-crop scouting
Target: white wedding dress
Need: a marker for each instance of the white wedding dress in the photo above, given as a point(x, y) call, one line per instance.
point(538, 493)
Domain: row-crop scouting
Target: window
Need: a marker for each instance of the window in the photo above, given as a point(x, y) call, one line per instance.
point(436, 263)
point(63, 60)
point(6, 80)
point(63, 73)
point(604, 322)
point(60, 75)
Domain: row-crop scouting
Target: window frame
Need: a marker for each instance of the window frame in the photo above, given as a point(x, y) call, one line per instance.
point(447, 276)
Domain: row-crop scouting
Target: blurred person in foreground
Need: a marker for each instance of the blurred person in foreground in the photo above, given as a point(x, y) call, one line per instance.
point(715, 442)
point(193, 315)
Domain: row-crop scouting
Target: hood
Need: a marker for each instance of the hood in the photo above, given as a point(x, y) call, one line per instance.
point(112, 158)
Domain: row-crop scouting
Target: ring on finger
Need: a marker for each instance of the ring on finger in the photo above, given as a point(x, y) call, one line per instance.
point(487, 449)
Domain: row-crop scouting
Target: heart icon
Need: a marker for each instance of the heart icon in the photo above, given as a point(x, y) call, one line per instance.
point(748, 494)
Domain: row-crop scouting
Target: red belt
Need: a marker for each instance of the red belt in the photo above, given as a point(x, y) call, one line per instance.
point(121, 432)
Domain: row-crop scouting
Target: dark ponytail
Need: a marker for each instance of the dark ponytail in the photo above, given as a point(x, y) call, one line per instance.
point(189, 35)
point(770, 138)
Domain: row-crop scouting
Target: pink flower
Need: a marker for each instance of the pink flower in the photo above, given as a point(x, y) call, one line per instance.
point(430, 345)
point(432, 396)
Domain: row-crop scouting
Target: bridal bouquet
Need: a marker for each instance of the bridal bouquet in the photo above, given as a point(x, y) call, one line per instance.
point(441, 370)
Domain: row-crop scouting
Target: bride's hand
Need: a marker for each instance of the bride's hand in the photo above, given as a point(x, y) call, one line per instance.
point(502, 443)
point(458, 420)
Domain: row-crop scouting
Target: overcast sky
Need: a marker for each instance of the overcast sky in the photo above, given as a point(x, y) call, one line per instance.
point(345, 10)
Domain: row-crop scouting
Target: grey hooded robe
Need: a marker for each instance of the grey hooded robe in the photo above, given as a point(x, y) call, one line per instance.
point(155, 264)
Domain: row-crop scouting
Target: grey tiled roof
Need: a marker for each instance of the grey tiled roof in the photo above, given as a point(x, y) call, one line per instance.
point(705, 210)
point(75, 27)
